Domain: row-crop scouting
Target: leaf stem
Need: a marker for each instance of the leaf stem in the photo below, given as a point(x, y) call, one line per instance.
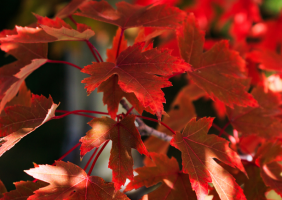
point(68, 152)
point(92, 50)
point(69, 113)
point(223, 129)
point(129, 111)
point(64, 62)
point(155, 120)
point(96, 158)
point(72, 19)
point(96, 149)
point(84, 111)
point(119, 42)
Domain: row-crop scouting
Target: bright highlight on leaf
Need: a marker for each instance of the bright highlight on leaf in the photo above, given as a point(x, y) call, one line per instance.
point(18, 121)
point(68, 181)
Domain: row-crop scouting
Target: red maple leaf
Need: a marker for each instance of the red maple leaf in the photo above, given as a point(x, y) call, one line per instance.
point(23, 190)
point(137, 72)
point(18, 121)
point(49, 31)
point(261, 120)
point(267, 158)
point(29, 58)
point(198, 153)
point(175, 184)
point(112, 91)
point(219, 71)
point(128, 15)
point(124, 136)
point(70, 182)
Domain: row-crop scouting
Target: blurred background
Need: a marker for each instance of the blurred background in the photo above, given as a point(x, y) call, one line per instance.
point(50, 141)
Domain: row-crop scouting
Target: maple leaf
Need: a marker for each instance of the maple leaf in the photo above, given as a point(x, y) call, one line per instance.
point(128, 16)
point(198, 153)
point(267, 158)
point(261, 120)
point(137, 72)
point(23, 190)
point(50, 31)
point(175, 184)
point(29, 58)
point(70, 8)
point(18, 121)
point(112, 91)
point(253, 187)
point(124, 136)
point(68, 181)
point(218, 71)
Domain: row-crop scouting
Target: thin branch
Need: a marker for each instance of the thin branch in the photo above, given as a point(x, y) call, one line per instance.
point(223, 129)
point(143, 128)
point(68, 152)
point(92, 50)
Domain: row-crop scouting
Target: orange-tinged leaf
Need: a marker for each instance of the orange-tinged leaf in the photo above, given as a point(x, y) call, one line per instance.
point(18, 121)
point(218, 71)
point(70, 8)
point(260, 121)
point(68, 181)
point(124, 136)
point(137, 72)
point(175, 184)
point(128, 15)
point(198, 153)
point(23, 190)
point(50, 31)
